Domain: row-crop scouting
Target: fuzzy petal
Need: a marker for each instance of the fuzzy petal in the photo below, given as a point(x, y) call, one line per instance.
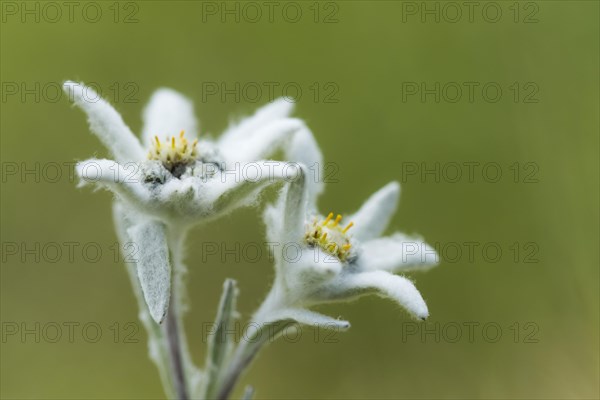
point(278, 109)
point(263, 142)
point(383, 283)
point(294, 215)
point(305, 150)
point(273, 221)
point(168, 113)
point(123, 180)
point(106, 123)
point(398, 253)
point(289, 135)
point(375, 214)
point(306, 266)
point(307, 317)
point(153, 266)
point(241, 186)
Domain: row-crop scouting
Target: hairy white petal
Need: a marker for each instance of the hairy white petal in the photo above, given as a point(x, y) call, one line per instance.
point(398, 253)
point(123, 180)
point(306, 266)
point(290, 135)
point(153, 265)
point(168, 113)
point(307, 317)
point(305, 150)
point(383, 283)
point(273, 221)
point(294, 215)
point(280, 108)
point(241, 186)
point(105, 122)
point(262, 142)
point(375, 214)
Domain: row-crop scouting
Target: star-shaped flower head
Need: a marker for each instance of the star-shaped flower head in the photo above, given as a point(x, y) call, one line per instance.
point(335, 260)
point(173, 179)
point(176, 176)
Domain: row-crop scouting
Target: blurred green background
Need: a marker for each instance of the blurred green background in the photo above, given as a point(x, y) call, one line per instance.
point(363, 55)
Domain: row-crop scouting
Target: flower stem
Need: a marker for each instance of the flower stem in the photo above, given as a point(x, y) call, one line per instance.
point(174, 335)
point(249, 347)
point(173, 343)
point(243, 356)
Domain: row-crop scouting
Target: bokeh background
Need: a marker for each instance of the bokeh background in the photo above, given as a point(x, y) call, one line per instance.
point(353, 62)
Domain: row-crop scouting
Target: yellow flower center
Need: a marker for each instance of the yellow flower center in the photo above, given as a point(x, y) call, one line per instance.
point(329, 235)
point(174, 151)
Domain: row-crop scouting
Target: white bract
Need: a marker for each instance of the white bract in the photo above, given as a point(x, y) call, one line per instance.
point(173, 178)
point(331, 260)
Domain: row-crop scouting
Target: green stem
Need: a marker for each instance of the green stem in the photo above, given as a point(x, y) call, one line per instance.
point(249, 347)
point(172, 338)
point(175, 338)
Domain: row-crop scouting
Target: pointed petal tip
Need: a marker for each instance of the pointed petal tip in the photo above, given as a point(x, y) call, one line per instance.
point(281, 106)
point(392, 191)
point(75, 90)
point(394, 186)
point(423, 313)
point(68, 83)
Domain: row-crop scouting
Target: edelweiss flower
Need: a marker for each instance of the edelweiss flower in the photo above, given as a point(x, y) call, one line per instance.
point(334, 260)
point(177, 177)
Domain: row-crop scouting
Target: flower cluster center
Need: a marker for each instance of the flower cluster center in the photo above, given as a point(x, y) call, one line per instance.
point(330, 236)
point(175, 151)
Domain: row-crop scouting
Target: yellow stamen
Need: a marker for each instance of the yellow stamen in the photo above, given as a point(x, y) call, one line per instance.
point(350, 225)
point(337, 220)
point(174, 150)
point(328, 219)
point(329, 235)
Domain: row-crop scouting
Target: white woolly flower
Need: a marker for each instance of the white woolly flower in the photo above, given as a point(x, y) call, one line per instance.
point(176, 176)
point(173, 178)
point(333, 260)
